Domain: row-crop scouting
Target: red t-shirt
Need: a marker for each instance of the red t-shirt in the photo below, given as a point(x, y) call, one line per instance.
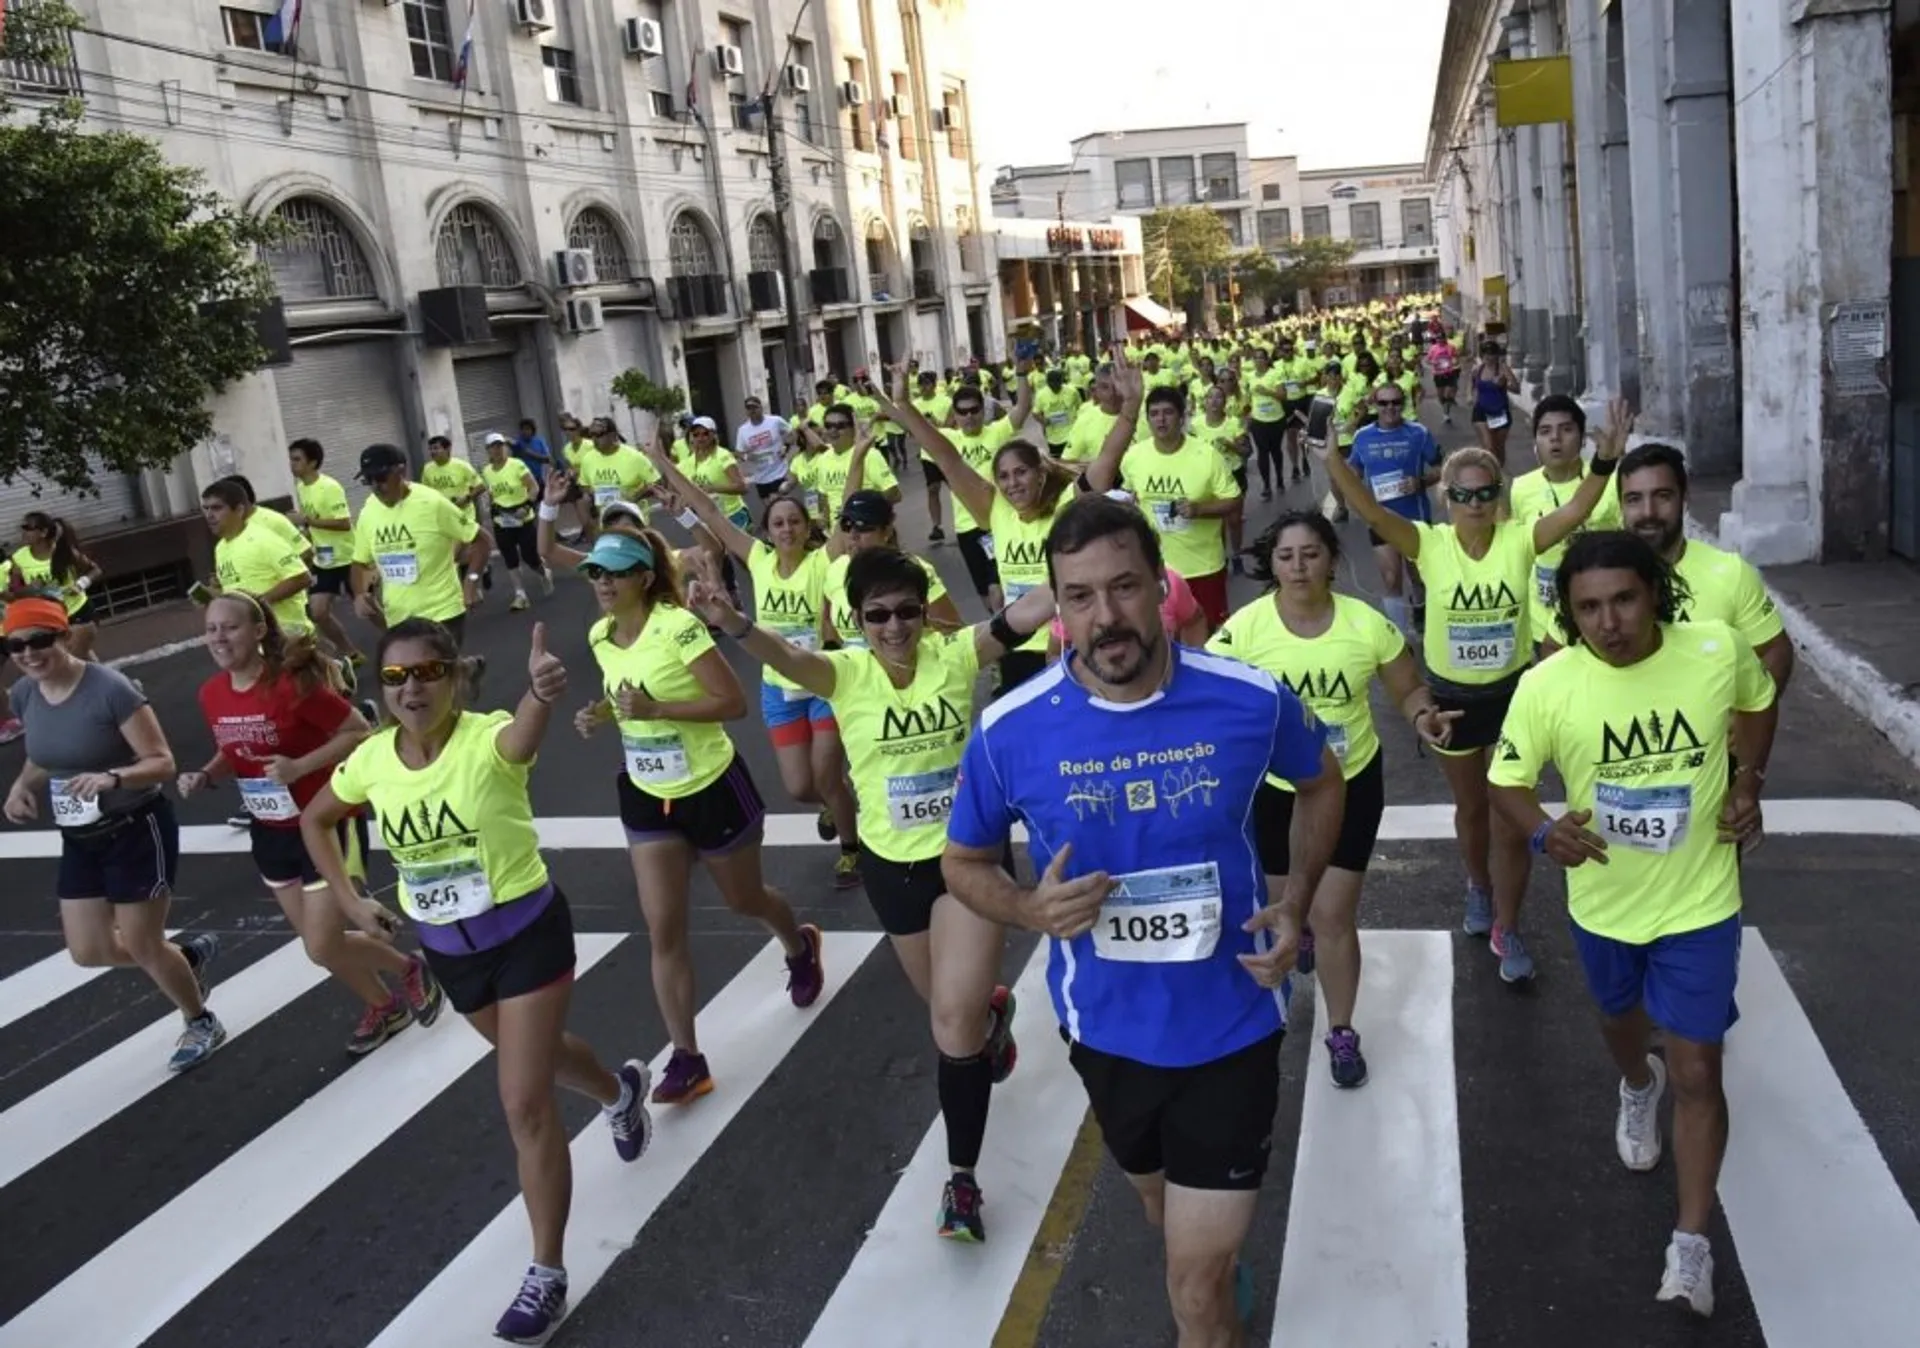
point(272, 721)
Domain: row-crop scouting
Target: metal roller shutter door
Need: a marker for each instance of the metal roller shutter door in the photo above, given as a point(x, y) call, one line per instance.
point(344, 395)
point(117, 505)
point(489, 401)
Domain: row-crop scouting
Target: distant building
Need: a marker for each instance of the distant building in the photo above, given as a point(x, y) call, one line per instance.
point(1075, 283)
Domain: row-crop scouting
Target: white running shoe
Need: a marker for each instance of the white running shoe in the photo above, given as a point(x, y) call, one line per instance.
point(1636, 1130)
point(1689, 1275)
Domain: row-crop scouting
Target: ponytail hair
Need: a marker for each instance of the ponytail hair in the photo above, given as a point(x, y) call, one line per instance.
point(666, 585)
point(66, 543)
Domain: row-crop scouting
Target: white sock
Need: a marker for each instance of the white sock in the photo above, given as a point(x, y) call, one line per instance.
point(625, 1101)
point(549, 1273)
point(1686, 1238)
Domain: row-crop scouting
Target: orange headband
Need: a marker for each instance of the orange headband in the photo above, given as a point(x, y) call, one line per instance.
point(24, 615)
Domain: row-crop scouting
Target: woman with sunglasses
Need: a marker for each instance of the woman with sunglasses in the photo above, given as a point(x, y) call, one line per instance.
point(96, 748)
point(279, 727)
point(449, 787)
point(904, 701)
point(1028, 489)
point(1329, 649)
point(790, 597)
point(49, 560)
point(685, 794)
point(1478, 570)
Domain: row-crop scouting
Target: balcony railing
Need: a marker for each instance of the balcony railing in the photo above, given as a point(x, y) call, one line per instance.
point(828, 285)
point(880, 286)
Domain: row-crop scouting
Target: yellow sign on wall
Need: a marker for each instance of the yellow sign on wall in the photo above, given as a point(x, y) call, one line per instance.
point(1536, 90)
point(1493, 290)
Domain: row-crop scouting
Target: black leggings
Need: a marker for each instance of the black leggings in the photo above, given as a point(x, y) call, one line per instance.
point(1269, 450)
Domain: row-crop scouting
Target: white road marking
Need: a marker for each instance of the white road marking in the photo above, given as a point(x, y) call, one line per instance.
point(907, 1288)
point(746, 1032)
point(1402, 823)
point(133, 1287)
point(1828, 1244)
point(45, 981)
point(1376, 1248)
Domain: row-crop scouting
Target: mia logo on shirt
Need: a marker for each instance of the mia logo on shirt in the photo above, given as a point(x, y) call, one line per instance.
point(392, 535)
point(1320, 685)
point(422, 824)
point(935, 717)
point(1649, 736)
point(1168, 486)
point(1483, 598)
point(1029, 552)
point(786, 604)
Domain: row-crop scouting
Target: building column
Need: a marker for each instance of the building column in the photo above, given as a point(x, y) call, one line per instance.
point(1605, 203)
point(1816, 233)
point(1564, 355)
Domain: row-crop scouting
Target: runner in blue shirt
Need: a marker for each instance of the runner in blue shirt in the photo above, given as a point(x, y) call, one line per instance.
point(1133, 764)
point(1399, 460)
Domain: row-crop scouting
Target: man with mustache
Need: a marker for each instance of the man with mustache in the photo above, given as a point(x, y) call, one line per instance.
point(1133, 763)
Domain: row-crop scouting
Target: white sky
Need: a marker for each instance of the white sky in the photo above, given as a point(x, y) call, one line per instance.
point(1340, 83)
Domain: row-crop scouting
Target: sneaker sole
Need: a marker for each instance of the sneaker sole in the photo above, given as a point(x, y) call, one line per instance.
point(535, 1341)
point(212, 1048)
point(360, 1048)
point(704, 1088)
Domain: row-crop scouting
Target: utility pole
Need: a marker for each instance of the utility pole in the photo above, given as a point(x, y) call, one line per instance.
point(799, 371)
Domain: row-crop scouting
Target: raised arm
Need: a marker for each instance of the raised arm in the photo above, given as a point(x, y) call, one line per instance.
point(1396, 529)
point(732, 537)
point(810, 671)
point(969, 488)
point(1103, 474)
point(519, 739)
point(1549, 530)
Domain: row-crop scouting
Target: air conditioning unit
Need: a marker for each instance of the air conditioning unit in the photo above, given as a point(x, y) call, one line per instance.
point(532, 15)
point(939, 120)
point(799, 79)
point(575, 267)
point(583, 315)
point(727, 60)
point(852, 95)
point(898, 106)
point(641, 37)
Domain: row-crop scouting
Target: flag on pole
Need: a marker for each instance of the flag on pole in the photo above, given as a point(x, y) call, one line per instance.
point(464, 65)
point(283, 28)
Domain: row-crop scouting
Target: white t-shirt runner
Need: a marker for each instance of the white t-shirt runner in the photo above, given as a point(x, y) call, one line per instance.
point(761, 450)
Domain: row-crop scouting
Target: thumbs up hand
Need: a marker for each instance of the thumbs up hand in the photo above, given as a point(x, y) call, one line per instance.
point(1066, 908)
point(545, 673)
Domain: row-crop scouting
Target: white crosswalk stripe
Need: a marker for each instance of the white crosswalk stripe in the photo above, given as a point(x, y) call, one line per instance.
point(1375, 1247)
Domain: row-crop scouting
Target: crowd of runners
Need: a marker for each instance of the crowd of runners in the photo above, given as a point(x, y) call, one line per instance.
point(1201, 788)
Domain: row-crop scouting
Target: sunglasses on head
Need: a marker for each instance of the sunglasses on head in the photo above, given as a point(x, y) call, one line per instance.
point(39, 641)
point(427, 671)
point(907, 613)
point(1475, 495)
point(595, 571)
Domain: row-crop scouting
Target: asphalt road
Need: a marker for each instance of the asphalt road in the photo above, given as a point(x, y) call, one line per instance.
point(1468, 1194)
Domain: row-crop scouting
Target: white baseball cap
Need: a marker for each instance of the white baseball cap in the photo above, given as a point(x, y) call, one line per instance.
point(704, 423)
point(495, 438)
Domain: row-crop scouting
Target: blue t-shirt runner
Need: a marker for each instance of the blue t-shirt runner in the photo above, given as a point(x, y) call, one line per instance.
point(1159, 794)
point(1394, 464)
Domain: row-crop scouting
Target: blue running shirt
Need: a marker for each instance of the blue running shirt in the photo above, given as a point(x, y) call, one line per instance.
point(1394, 463)
point(1159, 794)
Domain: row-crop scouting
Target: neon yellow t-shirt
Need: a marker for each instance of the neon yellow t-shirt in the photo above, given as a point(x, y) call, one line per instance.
point(1645, 748)
point(1194, 472)
point(460, 829)
point(623, 475)
point(257, 559)
point(978, 451)
point(511, 487)
point(904, 744)
point(1532, 498)
point(1269, 392)
point(325, 499)
point(1056, 411)
point(789, 606)
point(665, 759)
point(414, 547)
point(456, 479)
point(936, 410)
point(1330, 673)
point(710, 475)
point(830, 468)
point(279, 525)
point(846, 623)
point(1225, 437)
point(1020, 553)
point(38, 575)
point(1478, 625)
point(1725, 588)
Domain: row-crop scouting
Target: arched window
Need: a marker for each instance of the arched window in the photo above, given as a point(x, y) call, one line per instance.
point(829, 247)
point(594, 230)
point(689, 250)
point(317, 258)
point(472, 250)
point(763, 244)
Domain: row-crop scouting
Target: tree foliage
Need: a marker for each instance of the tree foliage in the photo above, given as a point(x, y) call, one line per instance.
point(637, 391)
point(127, 289)
point(1301, 264)
point(1181, 245)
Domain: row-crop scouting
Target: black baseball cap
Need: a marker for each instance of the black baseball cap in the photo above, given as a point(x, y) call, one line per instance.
point(866, 510)
point(376, 461)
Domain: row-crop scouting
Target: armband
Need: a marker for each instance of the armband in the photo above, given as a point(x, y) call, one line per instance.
point(1003, 631)
point(1604, 467)
point(549, 512)
point(1537, 844)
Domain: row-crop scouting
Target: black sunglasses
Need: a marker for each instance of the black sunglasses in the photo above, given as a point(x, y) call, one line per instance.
point(838, 425)
point(39, 641)
point(1389, 402)
point(595, 571)
point(1478, 495)
point(427, 671)
point(906, 613)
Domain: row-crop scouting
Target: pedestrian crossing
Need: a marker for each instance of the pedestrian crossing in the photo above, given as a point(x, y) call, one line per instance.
point(377, 1204)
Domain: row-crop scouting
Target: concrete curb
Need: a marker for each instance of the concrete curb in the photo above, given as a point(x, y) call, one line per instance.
point(157, 653)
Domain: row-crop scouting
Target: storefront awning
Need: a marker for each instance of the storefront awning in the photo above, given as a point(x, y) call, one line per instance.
point(1144, 313)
